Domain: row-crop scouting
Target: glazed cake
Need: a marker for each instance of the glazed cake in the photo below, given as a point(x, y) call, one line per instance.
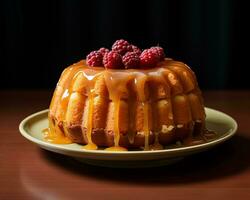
point(124, 106)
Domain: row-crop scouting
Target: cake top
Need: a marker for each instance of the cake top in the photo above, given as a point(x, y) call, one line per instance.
point(124, 55)
point(126, 68)
point(167, 77)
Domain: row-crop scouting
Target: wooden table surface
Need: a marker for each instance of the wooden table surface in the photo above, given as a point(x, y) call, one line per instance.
point(28, 172)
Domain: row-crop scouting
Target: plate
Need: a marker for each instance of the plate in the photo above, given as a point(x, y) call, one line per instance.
point(224, 125)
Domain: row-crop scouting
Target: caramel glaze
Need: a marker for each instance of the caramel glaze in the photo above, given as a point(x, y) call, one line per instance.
point(176, 99)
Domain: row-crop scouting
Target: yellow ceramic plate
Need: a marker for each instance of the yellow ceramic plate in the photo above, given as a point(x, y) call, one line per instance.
point(225, 126)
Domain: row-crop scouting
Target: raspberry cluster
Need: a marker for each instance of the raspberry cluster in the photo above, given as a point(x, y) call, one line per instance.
point(125, 55)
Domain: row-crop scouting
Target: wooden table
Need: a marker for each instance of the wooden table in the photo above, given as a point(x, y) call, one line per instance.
point(28, 172)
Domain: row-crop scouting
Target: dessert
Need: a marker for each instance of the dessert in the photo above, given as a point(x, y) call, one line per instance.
point(126, 98)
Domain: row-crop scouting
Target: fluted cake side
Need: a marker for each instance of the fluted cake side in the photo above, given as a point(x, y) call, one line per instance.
point(126, 108)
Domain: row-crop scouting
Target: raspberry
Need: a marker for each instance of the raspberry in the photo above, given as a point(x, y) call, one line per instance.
point(112, 60)
point(149, 58)
point(103, 50)
point(121, 46)
point(94, 59)
point(131, 60)
point(135, 49)
point(160, 52)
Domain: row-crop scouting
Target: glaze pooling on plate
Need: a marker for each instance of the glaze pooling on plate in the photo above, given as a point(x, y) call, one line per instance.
point(32, 127)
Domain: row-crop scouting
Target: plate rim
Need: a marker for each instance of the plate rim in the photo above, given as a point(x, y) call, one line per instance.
point(24, 123)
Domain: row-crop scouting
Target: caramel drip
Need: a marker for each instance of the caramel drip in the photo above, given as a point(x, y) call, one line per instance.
point(66, 85)
point(116, 146)
point(116, 82)
point(140, 83)
point(63, 108)
point(131, 130)
point(59, 103)
point(116, 127)
point(117, 87)
point(90, 145)
point(55, 135)
point(65, 101)
point(140, 80)
point(89, 82)
point(146, 125)
point(66, 96)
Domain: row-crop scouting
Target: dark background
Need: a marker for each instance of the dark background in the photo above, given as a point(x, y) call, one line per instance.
point(38, 39)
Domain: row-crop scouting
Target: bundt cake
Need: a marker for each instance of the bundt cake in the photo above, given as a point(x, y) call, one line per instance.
point(121, 109)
